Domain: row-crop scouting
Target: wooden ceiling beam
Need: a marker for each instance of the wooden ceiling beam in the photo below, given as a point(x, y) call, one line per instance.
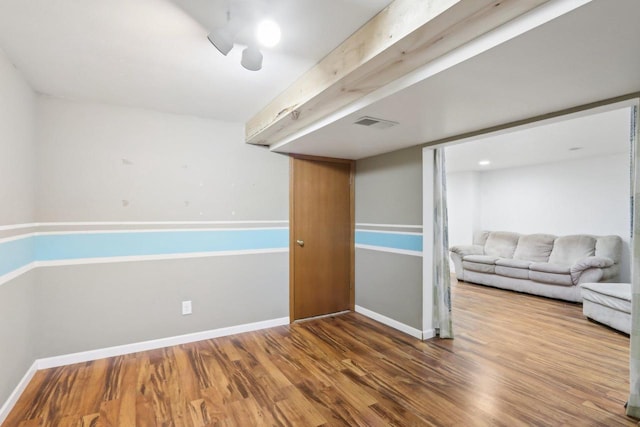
point(405, 35)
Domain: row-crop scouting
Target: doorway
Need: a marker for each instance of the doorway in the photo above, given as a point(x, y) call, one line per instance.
point(322, 237)
point(568, 176)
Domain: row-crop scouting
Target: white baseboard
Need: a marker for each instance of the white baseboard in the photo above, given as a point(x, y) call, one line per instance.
point(416, 333)
point(429, 333)
point(17, 392)
point(86, 356)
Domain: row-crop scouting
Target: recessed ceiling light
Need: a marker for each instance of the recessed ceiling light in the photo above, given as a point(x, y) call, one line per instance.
point(484, 162)
point(268, 33)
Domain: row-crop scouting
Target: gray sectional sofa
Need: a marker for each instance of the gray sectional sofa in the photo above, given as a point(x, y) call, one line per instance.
point(540, 264)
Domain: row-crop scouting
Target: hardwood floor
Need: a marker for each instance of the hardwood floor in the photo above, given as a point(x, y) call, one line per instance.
point(516, 360)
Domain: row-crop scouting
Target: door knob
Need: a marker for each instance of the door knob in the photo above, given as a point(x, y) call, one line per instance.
point(300, 242)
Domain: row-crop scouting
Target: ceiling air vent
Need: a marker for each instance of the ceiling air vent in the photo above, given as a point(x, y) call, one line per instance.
point(372, 122)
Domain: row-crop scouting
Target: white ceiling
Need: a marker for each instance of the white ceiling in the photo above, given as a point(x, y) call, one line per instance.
point(593, 135)
point(155, 54)
point(586, 55)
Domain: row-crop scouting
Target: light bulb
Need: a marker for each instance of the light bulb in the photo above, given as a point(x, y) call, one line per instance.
point(268, 33)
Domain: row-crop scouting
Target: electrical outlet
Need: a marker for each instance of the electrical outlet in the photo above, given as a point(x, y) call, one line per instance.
point(186, 307)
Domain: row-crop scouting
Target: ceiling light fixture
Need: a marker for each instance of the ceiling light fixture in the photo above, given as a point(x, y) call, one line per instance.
point(251, 58)
point(221, 39)
point(268, 33)
point(484, 162)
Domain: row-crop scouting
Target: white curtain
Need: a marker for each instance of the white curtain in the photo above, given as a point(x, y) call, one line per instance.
point(441, 272)
point(633, 405)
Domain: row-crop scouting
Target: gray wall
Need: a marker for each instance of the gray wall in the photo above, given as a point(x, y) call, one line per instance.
point(389, 188)
point(106, 163)
point(389, 191)
point(17, 106)
point(86, 307)
point(17, 329)
point(390, 284)
point(167, 168)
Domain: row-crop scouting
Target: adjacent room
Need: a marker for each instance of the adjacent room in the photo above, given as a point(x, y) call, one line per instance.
point(567, 177)
point(234, 212)
point(549, 185)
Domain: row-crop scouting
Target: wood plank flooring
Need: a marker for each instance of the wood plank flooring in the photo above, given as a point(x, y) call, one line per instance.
point(517, 360)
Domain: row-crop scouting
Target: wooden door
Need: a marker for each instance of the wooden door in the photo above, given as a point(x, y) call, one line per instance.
point(322, 233)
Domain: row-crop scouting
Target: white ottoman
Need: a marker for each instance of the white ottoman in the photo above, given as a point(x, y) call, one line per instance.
point(608, 303)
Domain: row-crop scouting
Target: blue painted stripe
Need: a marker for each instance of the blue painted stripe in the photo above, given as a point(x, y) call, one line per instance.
point(53, 247)
point(15, 254)
point(410, 242)
point(98, 245)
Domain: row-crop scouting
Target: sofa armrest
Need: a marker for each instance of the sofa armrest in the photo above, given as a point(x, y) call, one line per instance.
point(592, 262)
point(459, 252)
point(592, 267)
point(464, 250)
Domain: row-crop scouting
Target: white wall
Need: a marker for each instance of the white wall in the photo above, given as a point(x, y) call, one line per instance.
point(581, 196)
point(17, 122)
point(105, 163)
point(585, 196)
point(463, 199)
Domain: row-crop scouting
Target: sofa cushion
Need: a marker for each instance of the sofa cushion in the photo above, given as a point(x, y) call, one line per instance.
point(480, 237)
point(513, 263)
point(534, 247)
point(609, 247)
point(514, 272)
point(482, 259)
point(620, 291)
point(501, 244)
point(568, 249)
point(550, 278)
point(616, 296)
point(479, 267)
point(547, 267)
